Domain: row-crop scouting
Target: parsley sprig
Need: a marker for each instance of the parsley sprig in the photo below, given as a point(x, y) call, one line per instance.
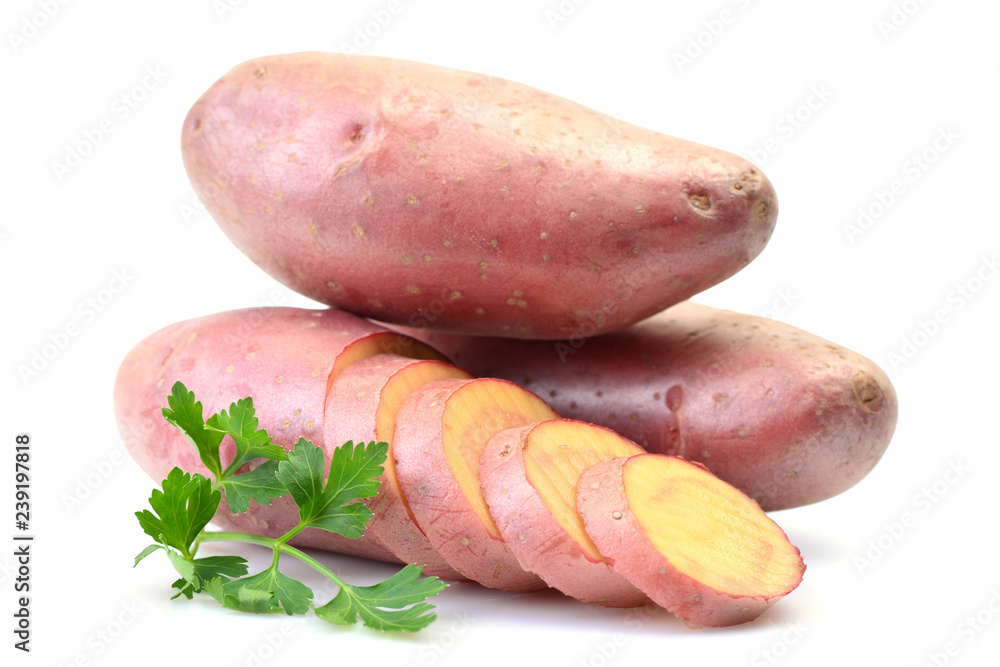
point(185, 503)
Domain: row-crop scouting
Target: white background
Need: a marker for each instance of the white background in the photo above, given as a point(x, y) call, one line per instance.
point(877, 592)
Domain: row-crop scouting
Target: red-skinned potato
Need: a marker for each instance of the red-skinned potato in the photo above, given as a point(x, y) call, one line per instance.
point(322, 374)
point(529, 476)
point(697, 546)
point(285, 359)
point(441, 430)
point(784, 415)
point(430, 196)
point(363, 403)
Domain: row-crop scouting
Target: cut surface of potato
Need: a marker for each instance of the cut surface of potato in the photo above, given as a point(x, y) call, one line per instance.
point(396, 390)
point(694, 544)
point(474, 414)
point(529, 478)
point(383, 342)
point(708, 530)
point(556, 454)
point(362, 406)
point(441, 431)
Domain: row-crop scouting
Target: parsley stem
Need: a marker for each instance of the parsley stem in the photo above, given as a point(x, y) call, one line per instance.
point(314, 564)
point(273, 543)
point(229, 536)
point(292, 533)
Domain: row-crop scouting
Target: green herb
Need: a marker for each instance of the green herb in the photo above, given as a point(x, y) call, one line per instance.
point(186, 502)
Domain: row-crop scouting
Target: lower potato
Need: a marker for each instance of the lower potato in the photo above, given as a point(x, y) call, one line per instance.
point(785, 416)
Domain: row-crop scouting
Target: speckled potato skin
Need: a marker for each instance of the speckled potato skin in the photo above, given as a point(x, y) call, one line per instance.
point(351, 407)
point(535, 537)
point(440, 198)
point(616, 532)
point(441, 509)
point(785, 416)
point(282, 358)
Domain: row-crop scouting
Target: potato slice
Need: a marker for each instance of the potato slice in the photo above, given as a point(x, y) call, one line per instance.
point(362, 407)
point(696, 545)
point(381, 342)
point(441, 431)
point(529, 476)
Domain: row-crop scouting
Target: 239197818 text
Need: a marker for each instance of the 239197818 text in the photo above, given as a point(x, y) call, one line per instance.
point(22, 541)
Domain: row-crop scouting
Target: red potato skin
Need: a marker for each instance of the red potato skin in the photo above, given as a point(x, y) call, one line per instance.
point(540, 544)
point(616, 532)
point(438, 503)
point(785, 416)
point(352, 404)
point(440, 198)
point(281, 357)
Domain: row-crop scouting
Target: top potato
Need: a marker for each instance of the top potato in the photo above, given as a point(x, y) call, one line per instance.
point(439, 198)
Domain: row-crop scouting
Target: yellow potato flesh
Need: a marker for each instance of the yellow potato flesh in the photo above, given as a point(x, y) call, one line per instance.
point(380, 343)
point(395, 391)
point(708, 530)
point(555, 455)
point(473, 415)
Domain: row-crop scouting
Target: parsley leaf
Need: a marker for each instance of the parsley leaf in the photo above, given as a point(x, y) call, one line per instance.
point(251, 443)
point(293, 596)
point(185, 413)
point(145, 552)
point(183, 508)
point(197, 572)
point(353, 475)
point(245, 599)
point(383, 606)
point(259, 484)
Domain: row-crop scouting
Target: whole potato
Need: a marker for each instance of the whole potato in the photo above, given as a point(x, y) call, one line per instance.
point(440, 198)
point(782, 414)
